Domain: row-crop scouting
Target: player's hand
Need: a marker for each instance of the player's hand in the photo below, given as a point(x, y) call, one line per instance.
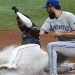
point(58, 33)
point(15, 9)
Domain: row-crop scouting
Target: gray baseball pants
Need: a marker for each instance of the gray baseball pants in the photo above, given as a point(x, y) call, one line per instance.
point(65, 48)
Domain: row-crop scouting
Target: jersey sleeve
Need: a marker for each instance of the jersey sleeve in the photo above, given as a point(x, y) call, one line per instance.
point(46, 26)
point(71, 21)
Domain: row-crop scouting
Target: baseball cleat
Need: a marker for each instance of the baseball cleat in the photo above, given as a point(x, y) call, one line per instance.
point(62, 69)
point(66, 67)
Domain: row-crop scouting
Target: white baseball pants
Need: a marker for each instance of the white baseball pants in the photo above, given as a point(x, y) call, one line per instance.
point(18, 51)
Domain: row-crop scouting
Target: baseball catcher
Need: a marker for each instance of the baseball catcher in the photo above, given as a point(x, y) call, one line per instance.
point(30, 38)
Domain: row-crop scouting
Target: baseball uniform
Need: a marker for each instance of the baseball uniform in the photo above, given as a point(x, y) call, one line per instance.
point(66, 46)
point(30, 39)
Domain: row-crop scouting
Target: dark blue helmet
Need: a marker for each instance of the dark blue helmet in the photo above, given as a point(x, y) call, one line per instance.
point(54, 3)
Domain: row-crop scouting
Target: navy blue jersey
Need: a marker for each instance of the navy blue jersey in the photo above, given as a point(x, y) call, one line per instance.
point(28, 39)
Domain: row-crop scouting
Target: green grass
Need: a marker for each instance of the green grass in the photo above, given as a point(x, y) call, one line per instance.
point(33, 8)
point(68, 5)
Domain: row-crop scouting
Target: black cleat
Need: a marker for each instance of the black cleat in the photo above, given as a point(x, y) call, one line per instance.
point(15, 9)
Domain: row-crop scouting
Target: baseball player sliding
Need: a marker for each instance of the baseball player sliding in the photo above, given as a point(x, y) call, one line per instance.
point(30, 39)
point(62, 24)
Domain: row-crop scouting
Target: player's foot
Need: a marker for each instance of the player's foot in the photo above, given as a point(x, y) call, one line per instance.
point(62, 69)
point(53, 73)
point(65, 67)
point(8, 66)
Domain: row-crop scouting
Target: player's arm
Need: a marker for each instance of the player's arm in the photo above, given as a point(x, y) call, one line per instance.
point(23, 21)
point(65, 36)
point(20, 24)
point(70, 34)
point(27, 22)
point(41, 32)
point(45, 27)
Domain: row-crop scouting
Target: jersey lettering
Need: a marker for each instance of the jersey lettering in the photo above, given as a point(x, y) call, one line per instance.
point(62, 27)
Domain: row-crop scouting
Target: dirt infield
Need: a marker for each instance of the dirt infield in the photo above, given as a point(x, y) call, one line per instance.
point(11, 37)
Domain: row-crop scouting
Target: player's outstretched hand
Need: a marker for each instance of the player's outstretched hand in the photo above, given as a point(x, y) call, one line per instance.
point(15, 9)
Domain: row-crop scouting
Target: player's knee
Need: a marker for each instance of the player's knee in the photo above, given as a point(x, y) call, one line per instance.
point(51, 44)
point(50, 47)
